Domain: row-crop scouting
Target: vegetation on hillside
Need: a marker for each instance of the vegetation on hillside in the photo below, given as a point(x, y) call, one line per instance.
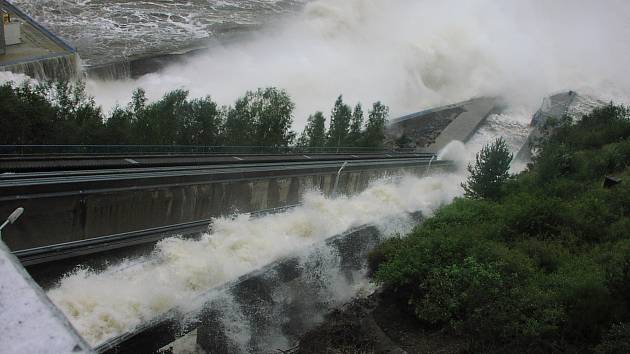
point(57, 113)
point(538, 262)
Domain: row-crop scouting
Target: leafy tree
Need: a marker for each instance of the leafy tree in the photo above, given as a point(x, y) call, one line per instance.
point(273, 117)
point(49, 113)
point(355, 136)
point(339, 123)
point(239, 124)
point(138, 101)
point(79, 119)
point(314, 134)
point(27, 117)
point(260, 118)
point(489, 172)
point(119, 127)
point(616, 340)
point(545, 267)
point(161, 122)
point(205, 123)
point(375, 130)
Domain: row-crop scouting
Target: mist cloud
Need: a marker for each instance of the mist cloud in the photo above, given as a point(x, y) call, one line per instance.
point(412, 54)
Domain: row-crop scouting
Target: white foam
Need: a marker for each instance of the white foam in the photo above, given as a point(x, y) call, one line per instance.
point(413, 54)
point(103, 305)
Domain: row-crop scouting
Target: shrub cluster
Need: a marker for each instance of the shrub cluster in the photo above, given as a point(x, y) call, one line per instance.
point(61, 113)
point(545, 267)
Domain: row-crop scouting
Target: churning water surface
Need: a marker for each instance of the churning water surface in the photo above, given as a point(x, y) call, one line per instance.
point(104, 304)
point(106, 31)
point(408, 53)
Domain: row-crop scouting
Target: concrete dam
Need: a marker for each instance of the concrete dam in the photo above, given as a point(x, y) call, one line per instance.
point(71, 210)
point(288, 238)
point(29, 48)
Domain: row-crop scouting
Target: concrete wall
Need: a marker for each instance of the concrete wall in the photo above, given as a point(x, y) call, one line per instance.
point(55, 67)
point(435, 128)
point(53, 218)
point(31, 323)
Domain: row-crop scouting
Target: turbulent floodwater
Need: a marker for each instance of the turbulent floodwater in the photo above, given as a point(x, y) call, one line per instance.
point(411, 54)
point(106, 31)
point(105, 304)
point(408, 53)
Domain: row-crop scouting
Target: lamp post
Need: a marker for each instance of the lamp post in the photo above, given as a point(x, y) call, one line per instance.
point(11, 219)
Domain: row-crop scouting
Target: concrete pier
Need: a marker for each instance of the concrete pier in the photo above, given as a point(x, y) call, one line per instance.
point(568, 104)
point(433, 129)
point(39, 54)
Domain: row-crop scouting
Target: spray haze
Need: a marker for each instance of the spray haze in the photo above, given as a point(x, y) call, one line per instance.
point(413, 54)
point(407, 53)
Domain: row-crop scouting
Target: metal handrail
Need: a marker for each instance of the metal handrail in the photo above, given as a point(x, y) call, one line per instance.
point(25, 150)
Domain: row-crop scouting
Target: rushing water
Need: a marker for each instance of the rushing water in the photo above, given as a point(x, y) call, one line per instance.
point(113, 30)
point(105, 304)
point(412, 54)
point(408, 53)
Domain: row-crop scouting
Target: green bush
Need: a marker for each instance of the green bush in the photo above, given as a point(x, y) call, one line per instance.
point(545, 267)
point(547, 255)
point(63, 113)
point(616, 340)
point(489, 172)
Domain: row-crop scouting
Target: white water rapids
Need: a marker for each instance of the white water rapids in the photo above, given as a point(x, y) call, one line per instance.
point(410, 54)
point(106, 304)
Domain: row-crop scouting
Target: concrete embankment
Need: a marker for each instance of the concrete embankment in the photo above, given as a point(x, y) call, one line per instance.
point(568, 104)
point(433, 129)
point(68, 209)
point(30, 323)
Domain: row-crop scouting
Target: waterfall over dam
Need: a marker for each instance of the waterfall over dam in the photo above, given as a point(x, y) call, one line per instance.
point(251, 282)
point(37, 52)
point(251, 276)
point(229, 254)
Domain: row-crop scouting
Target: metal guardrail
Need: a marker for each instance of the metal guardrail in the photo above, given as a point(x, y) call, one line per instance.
point(46, 254)
point(26, 150)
